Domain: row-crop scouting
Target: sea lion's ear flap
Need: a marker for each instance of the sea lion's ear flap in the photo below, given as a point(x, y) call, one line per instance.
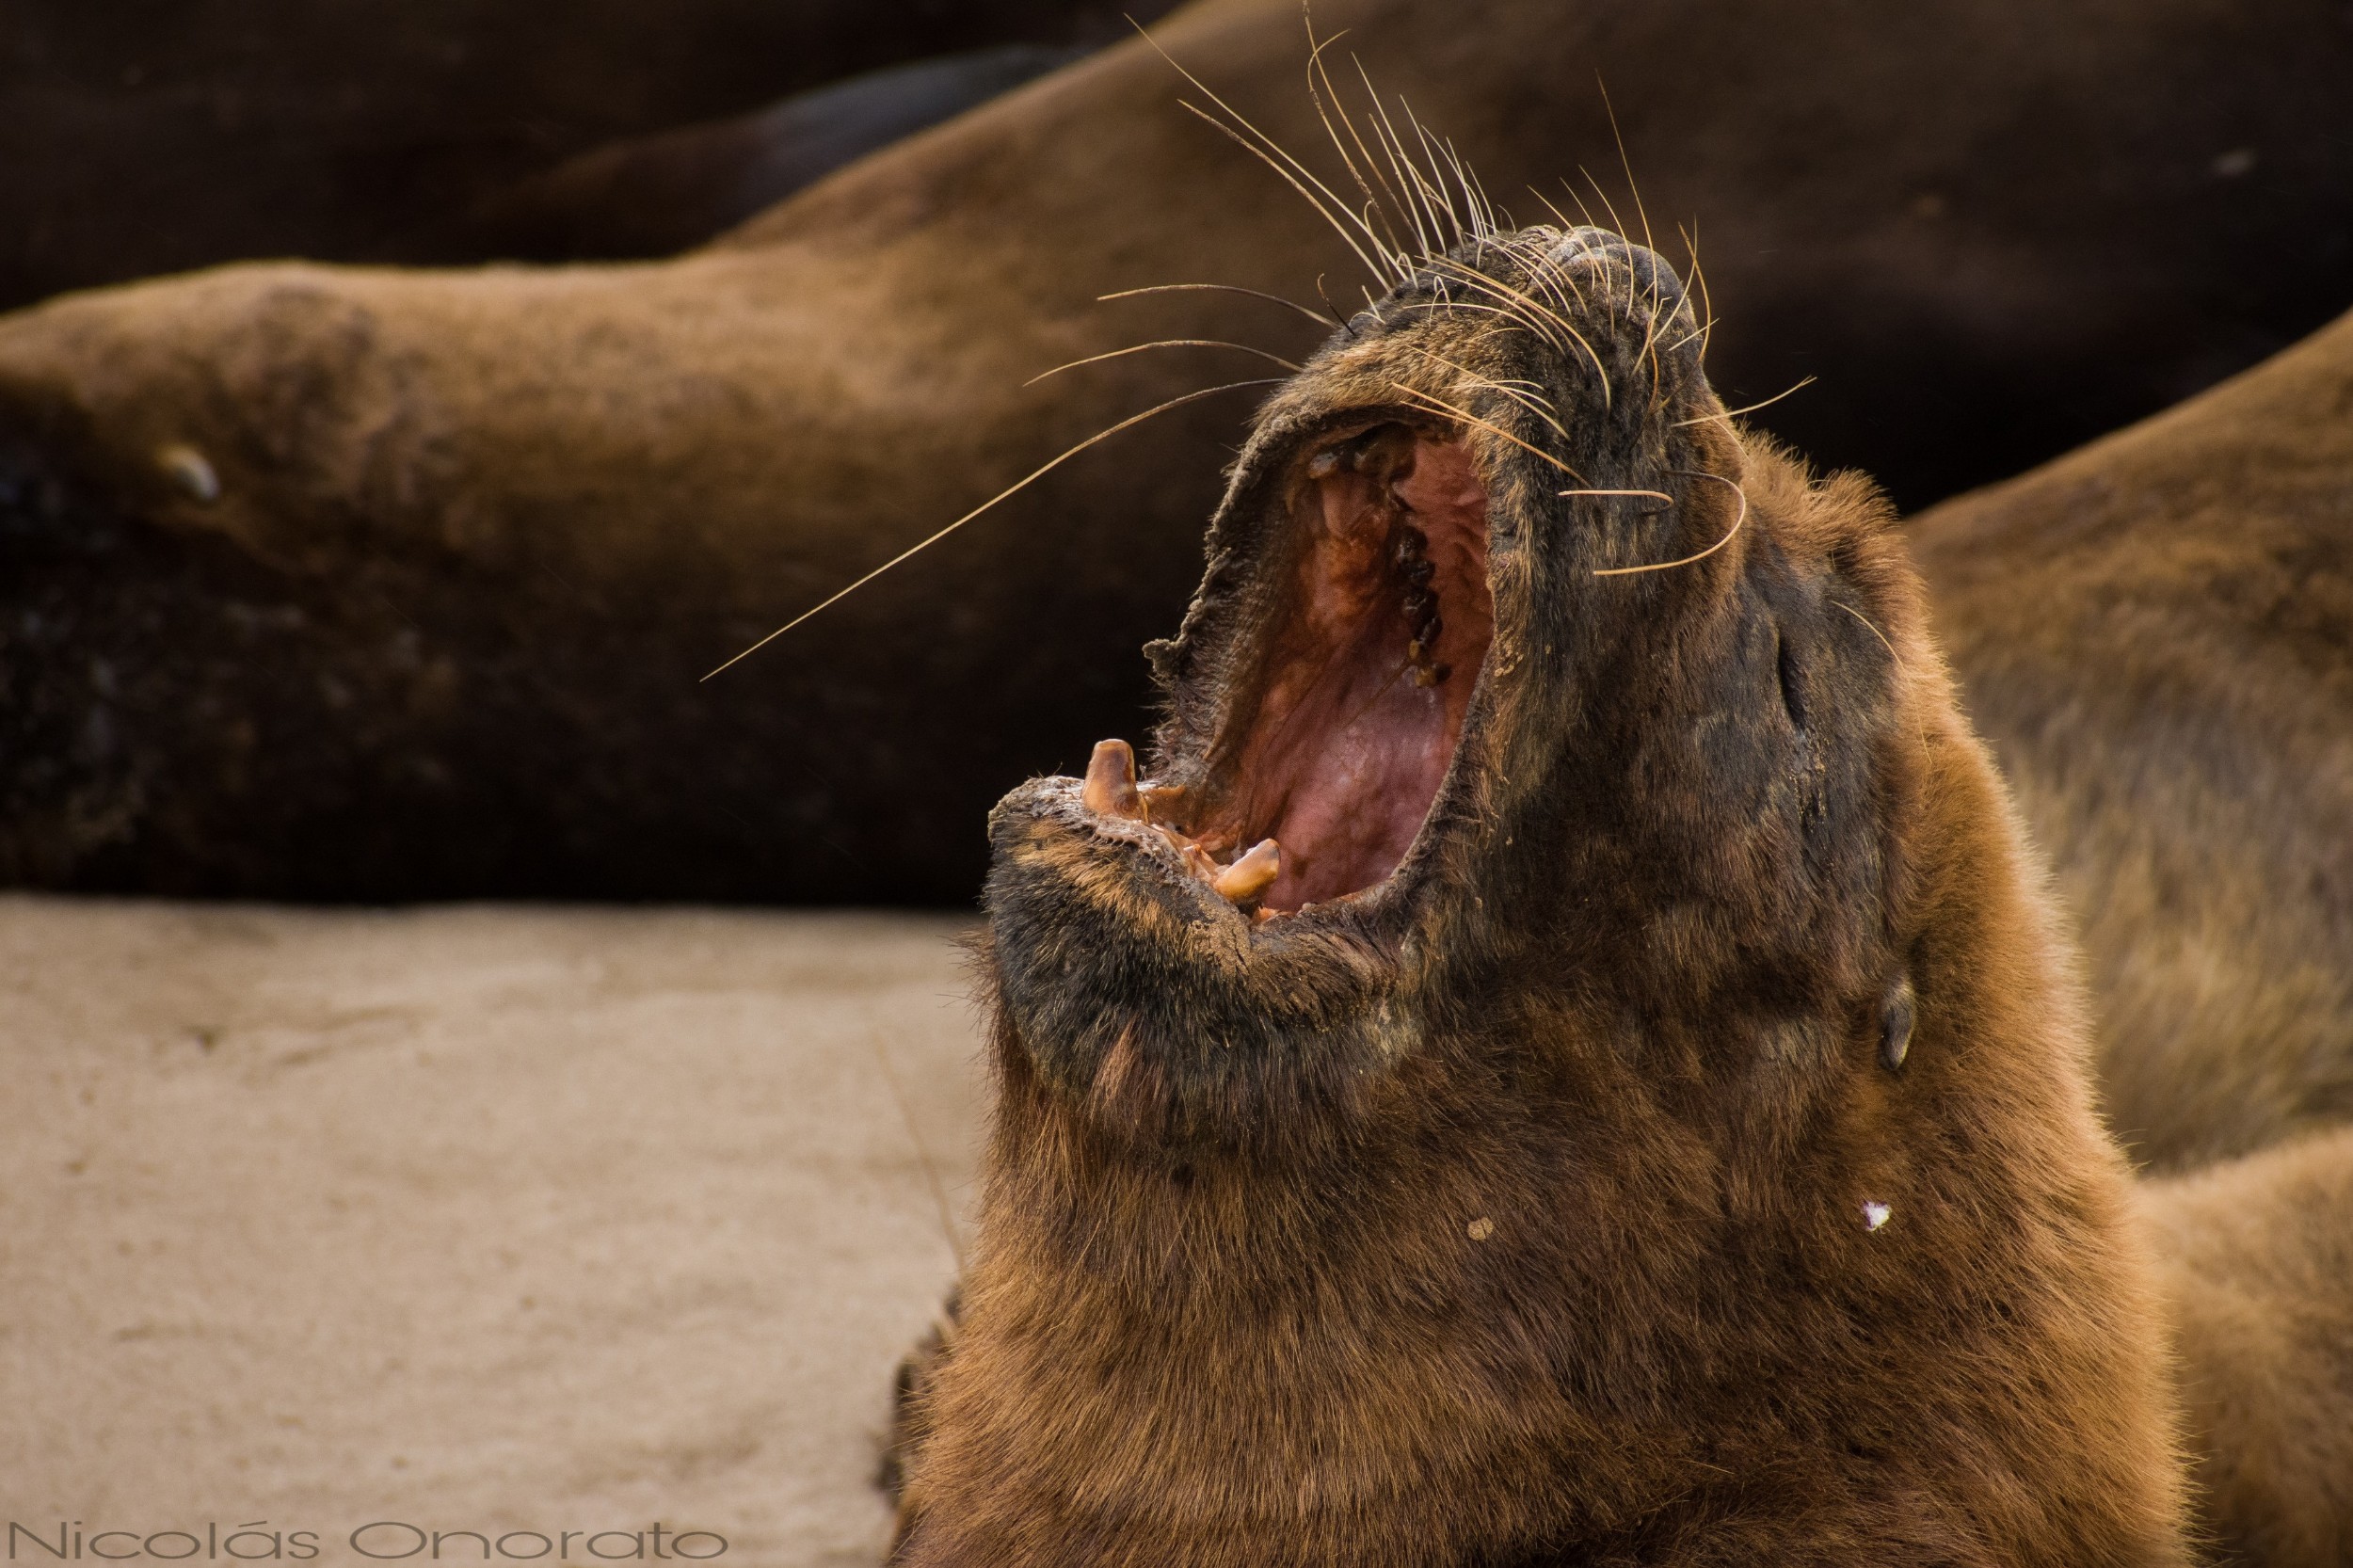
point(1897, 1009)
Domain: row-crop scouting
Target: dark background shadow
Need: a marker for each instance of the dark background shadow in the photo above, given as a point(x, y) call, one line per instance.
point(145, 136)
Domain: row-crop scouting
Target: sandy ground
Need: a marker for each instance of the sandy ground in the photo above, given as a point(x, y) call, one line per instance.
point(483, 1219)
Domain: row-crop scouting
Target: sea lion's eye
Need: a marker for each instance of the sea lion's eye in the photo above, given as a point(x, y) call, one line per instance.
point(1792, 683)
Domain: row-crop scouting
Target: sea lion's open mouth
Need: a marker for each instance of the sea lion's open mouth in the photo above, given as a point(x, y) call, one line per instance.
point(1337, 734)
point(1445, 544)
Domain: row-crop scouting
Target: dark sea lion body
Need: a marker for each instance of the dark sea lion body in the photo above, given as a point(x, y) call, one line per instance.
point(333, 583)
point(2156, 634)
point(140, 136)
point(661, 194)
point(1683, 1155)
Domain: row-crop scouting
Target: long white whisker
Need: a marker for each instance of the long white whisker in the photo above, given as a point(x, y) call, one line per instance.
point(1483, 226)
point(1506, 293)
point(1437, 173)
point(1625, 162)
point(1273, 152)
point(1442, 406)
point(1617, 226)
point(1010, 489)
point(1533, 404)
point(1164, 342)
point(1392, 245)
point(1700, 555)
point(1874, 631)
point(1750, 408)
point(1699, 281)
point(1316, 316)
point(1570, 191)
point(1393, 147)
point(1312, 199)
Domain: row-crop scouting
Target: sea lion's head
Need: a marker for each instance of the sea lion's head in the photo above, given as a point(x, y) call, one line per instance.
point(1508, 646)
point(1563, 1052)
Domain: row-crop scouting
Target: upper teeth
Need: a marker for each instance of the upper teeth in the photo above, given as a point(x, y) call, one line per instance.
point(1409, 555)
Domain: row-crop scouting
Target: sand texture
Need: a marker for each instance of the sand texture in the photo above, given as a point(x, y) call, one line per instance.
point(483, 1219)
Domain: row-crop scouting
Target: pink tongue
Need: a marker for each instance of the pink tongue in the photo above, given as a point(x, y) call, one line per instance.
point(1364, 749)
point(1356, 726)
point(1353, 799)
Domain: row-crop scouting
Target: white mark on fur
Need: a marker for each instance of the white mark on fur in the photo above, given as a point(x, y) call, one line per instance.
point(1874, 1215)
point(190, 471)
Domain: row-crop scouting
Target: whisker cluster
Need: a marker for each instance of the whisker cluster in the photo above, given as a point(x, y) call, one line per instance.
point(1421, 220)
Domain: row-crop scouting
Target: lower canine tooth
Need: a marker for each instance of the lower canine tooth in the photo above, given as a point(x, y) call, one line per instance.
point(1109, 789)
point(1252, 874)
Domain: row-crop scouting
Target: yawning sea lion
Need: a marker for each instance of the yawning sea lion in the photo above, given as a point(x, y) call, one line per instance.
point(1564, 1059)
point(2156, 634)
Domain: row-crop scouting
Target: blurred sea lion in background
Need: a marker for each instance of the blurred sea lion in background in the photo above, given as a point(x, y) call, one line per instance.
point(330, 582)
point(2256, 1260)
point(2156, 634)
point(141, 136)
point(656, 194)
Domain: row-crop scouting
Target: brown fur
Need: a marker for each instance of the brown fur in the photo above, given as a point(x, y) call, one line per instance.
point(1512, 1213)
point(2256, 1260)
point(476, 533)
point(2156, 634)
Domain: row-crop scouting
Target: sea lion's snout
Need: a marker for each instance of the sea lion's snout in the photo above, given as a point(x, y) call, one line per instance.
point(1408, 582)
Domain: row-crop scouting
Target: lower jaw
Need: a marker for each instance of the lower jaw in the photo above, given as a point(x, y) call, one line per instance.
point(1164, 1009)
